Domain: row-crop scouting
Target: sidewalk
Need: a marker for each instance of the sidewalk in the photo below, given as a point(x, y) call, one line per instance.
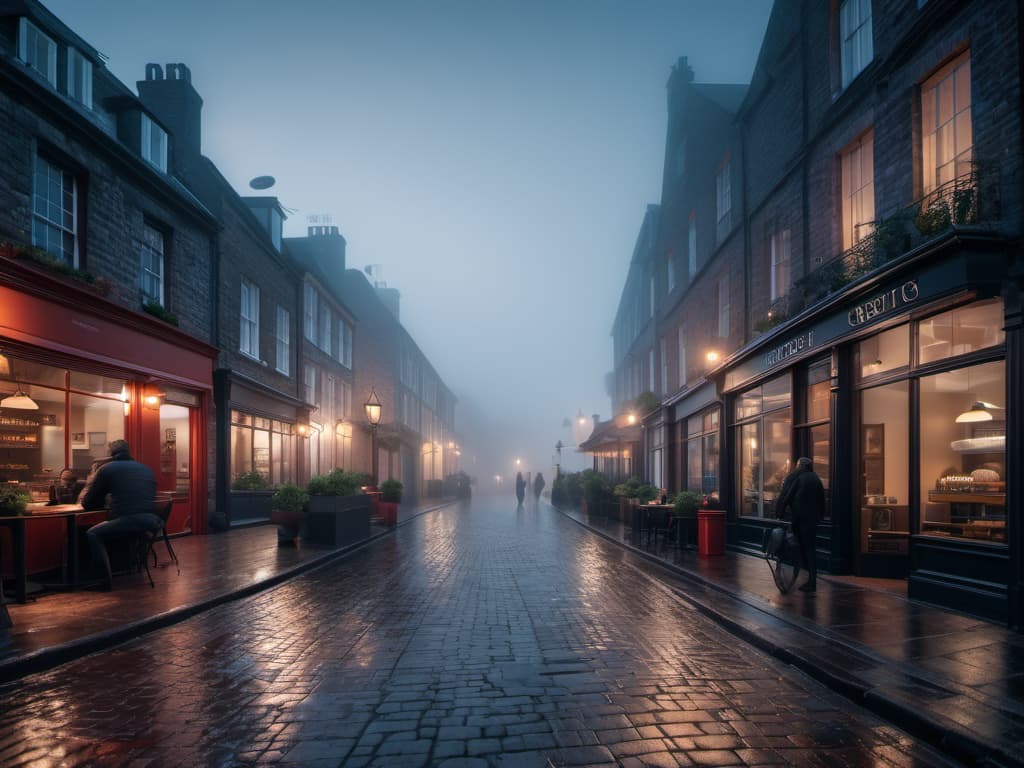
point(56, 627)
point(953, 680)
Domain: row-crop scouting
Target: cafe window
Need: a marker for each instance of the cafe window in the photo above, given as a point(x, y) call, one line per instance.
point(961, 330)
point(77, 416)
point(963, 453)
point(884, 458)
point(762, 426)
point(702, 446)
point(262, 445)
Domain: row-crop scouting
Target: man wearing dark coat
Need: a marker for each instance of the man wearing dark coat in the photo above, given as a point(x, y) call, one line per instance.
point(131, 487)
point(520, 488)
point(803, 493)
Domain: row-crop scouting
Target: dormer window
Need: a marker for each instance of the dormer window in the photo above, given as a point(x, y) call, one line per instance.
point(154, 143)
point(79, 77)
point(37, 50)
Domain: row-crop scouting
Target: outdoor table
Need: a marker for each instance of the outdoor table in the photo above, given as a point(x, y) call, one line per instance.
point(17, 524)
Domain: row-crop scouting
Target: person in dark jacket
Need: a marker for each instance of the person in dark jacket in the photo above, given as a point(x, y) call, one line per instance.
point(520, 488)
point(131, 488)
point(538, 487)
point(803, 493)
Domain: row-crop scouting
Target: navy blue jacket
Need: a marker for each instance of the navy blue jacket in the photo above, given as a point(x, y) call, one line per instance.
point(804, 494)
point(131, 486)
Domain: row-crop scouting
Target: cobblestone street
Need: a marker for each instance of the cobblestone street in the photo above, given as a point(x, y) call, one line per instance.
point(475, 635)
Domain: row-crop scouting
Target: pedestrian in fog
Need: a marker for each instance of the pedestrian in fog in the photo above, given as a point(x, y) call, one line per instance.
point(803, 493)
point(520, 488)
point(538, 486)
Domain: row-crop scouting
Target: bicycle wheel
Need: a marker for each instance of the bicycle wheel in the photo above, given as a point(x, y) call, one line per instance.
point(784, 573)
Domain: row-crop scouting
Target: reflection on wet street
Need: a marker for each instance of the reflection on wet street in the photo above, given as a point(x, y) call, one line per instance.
point(479, 634)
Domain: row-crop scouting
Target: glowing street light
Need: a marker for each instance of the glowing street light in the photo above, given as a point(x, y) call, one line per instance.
point(374, 411)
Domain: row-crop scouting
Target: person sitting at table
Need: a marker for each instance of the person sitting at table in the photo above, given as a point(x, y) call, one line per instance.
point(67, 489)
point(131, 487)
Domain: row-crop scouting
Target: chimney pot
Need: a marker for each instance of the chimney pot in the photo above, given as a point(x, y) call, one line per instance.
point(154, 72)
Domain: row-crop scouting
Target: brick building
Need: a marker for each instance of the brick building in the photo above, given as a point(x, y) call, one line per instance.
point(106, 262)
point(862, 207)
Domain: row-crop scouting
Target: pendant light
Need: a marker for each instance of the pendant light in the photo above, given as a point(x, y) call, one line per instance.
point(980, 411)
point(19, 401)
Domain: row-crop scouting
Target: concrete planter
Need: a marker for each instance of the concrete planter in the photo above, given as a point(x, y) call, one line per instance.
point(337, 521)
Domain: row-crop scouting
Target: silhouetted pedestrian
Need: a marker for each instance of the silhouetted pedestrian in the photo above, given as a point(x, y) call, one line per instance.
point(538, 487)
point(803, 492)
point(520, 488)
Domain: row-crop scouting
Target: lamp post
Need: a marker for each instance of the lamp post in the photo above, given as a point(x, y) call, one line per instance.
point(373, 413)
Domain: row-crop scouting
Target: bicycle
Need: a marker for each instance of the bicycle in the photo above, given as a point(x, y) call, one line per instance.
point(782, 553)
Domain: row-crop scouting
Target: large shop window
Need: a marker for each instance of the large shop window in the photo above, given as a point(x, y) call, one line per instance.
point(77, 415)
point(963, 453)
point(261, 445)
point(702, 452)
point(763, 422)
point(656, 451)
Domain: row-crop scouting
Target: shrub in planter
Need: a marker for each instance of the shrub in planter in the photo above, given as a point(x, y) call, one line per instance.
point(391, 490)
point(13, 501)
point(596, 489)
point(646, 493)
point(250, 481)
point(337, 483)
point(287, 506)
point(686, 503)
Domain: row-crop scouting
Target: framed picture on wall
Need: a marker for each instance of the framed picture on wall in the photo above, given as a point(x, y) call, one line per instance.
point(98, 444)
point(874, 439)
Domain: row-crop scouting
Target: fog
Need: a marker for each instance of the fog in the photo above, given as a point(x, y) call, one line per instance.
point(493, 158)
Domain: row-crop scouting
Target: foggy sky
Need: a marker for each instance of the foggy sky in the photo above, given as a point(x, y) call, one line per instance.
point(494, 158)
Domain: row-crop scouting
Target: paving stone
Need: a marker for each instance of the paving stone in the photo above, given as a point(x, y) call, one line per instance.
point(507, 650)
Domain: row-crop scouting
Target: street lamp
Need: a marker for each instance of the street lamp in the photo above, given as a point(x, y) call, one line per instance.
point(373, 413)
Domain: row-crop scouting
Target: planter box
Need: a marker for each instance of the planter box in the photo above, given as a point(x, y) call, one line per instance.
point(250, 506)
point(337, 521)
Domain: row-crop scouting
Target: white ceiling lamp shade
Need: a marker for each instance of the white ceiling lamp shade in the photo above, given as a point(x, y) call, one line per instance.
point(19, 401)
point(980, 411)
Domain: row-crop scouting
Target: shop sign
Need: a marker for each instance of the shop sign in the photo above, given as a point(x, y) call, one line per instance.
point(787, 349)
point(878, 305)
point(931, 282)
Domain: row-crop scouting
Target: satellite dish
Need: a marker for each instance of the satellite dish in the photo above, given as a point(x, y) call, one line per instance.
point(262, 182)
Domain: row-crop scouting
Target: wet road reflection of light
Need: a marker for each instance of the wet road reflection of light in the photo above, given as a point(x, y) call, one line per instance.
point(479, 614)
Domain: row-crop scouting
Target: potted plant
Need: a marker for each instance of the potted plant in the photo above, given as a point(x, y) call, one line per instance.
point(287, 506)
point(390, 497)
point(338, 512)
point(13, 501)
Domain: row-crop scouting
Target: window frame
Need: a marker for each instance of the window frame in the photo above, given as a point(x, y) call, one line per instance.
point(148, 245)
point(855, 191)
point(853, 58)
point(779, 267)
point(282, 341)
point(930, 145)
point(150, 129)
point(27, 28)
point(44, 219)
point(249, 324)
point(79, 88)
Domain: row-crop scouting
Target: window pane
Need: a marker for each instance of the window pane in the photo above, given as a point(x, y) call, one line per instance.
point(777, 455)
point(748, 404)
point(749, 475)
point(886, 351)
point(776, 393)
point(960, 331)
point(884, 486)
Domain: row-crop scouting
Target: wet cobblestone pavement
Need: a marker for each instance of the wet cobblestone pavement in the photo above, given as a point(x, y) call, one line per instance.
point(476, 635)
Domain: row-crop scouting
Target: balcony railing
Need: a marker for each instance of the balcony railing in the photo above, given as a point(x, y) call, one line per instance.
point(971, 200)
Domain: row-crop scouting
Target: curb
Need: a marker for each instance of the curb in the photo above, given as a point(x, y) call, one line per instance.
point(940, 733)
point(46, 659)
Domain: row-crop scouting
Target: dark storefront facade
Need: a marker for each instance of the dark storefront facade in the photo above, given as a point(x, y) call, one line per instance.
point(899, 389)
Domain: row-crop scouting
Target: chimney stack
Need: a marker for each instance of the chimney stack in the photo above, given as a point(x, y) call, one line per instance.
point(169, 95)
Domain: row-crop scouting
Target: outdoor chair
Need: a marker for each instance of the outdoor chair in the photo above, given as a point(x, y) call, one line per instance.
point(163, 512)
point(658, 521)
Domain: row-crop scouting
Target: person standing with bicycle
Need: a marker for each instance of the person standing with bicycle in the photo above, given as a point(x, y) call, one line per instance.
point(803, 493)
